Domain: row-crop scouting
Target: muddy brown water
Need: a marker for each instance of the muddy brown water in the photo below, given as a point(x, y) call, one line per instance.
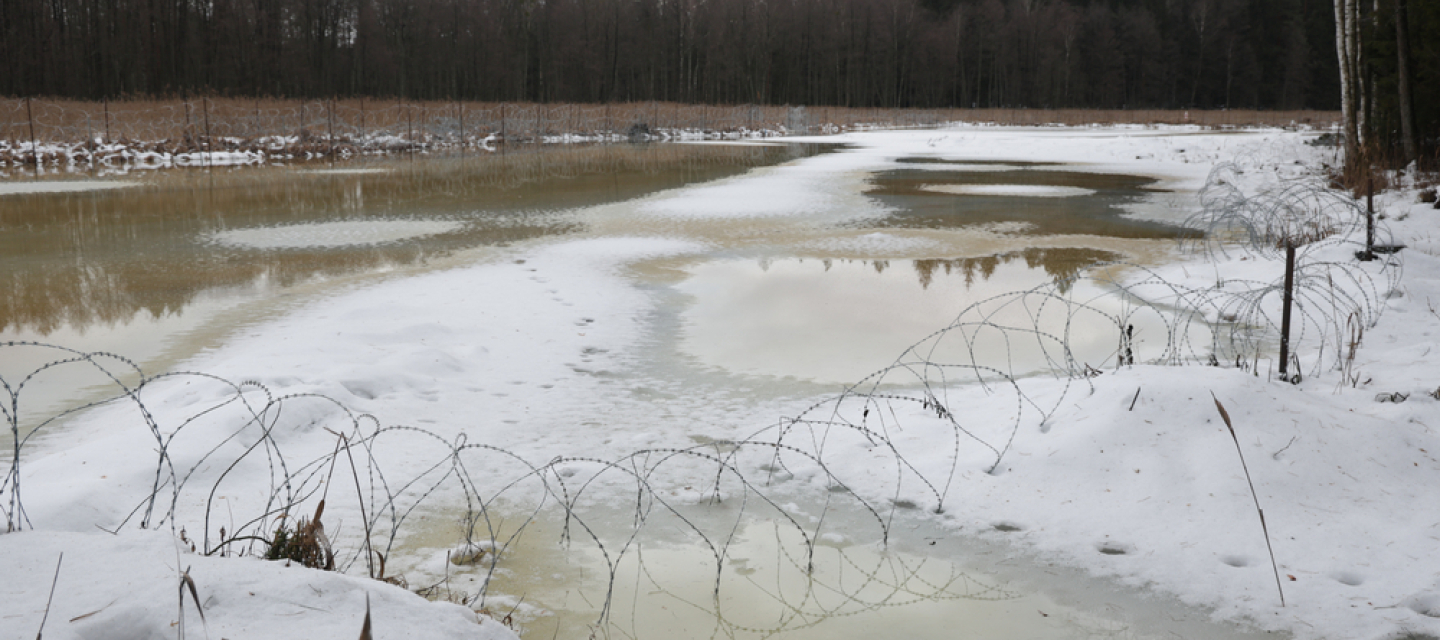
point(918, 199)
point(86, 259)
point(171, 263)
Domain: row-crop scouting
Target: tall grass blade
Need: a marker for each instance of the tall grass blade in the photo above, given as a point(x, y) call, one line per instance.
point(39, 634)
point(365, 628)
point(1225, 415)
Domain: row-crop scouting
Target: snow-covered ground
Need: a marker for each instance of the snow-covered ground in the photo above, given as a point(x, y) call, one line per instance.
point(571, 347)
point(126, 586)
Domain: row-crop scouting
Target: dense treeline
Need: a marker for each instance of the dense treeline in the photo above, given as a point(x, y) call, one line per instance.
point(1390, 83)
point(862, 53)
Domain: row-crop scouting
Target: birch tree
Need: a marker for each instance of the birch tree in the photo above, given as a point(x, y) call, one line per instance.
point(1347, 49)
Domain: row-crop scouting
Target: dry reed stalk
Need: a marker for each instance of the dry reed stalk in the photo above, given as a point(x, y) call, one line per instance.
point(1225, 415)
point(40, 634)
point(365, 628)
point(307, 544)
point(187, 582)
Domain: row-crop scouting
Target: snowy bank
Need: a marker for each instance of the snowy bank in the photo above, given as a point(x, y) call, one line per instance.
point(565, 349)
point(133, 585)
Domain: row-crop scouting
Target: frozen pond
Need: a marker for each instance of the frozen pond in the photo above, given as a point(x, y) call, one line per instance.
point(759, 298)
point(179, 259)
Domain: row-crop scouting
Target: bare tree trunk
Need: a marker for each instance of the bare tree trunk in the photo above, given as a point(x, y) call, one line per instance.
point(1365, 76)
point(1402, 52)
point(1346, 49)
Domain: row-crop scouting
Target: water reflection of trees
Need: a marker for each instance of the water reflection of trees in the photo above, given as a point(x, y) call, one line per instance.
point(1062, 264)
point(88, 258)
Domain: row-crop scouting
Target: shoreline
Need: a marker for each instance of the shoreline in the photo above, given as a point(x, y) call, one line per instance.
point(1149, 497)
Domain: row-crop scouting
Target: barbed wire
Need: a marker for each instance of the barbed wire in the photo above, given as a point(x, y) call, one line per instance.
point(1019, 354)
point(212, 446)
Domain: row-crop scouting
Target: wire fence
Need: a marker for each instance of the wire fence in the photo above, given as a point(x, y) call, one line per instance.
point(236, 465)
point(231, 476)
point(59, 132)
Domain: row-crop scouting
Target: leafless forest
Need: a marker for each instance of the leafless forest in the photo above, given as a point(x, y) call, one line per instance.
point(862, 53)
point(926, 54)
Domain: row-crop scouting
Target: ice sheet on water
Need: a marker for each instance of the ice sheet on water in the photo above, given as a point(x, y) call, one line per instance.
point(1020, 190)
point(60, 186)
point(333, 234)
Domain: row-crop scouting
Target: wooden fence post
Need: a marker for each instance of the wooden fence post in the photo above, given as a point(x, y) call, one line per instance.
point(1285, 311)
point(208, 148)
point(34, 150)
point(1370, 217)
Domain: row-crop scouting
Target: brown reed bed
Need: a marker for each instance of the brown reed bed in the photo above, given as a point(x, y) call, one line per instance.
point(78, 131)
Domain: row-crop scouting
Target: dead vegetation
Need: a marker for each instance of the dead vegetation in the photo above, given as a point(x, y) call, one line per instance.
point(304, 542)
point(80, 131)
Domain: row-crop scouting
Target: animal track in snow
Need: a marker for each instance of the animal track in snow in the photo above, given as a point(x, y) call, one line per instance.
point(1236, 561)
point(1348, 578)
point(1112, 548)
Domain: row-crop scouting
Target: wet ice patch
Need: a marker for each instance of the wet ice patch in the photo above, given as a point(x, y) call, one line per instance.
point(1017, 190)
point(1009, 227)
point(333, 234)
point(761, 196)
point(61, 186)
point(975, 167)
point(346, 171)
point(875, 244)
